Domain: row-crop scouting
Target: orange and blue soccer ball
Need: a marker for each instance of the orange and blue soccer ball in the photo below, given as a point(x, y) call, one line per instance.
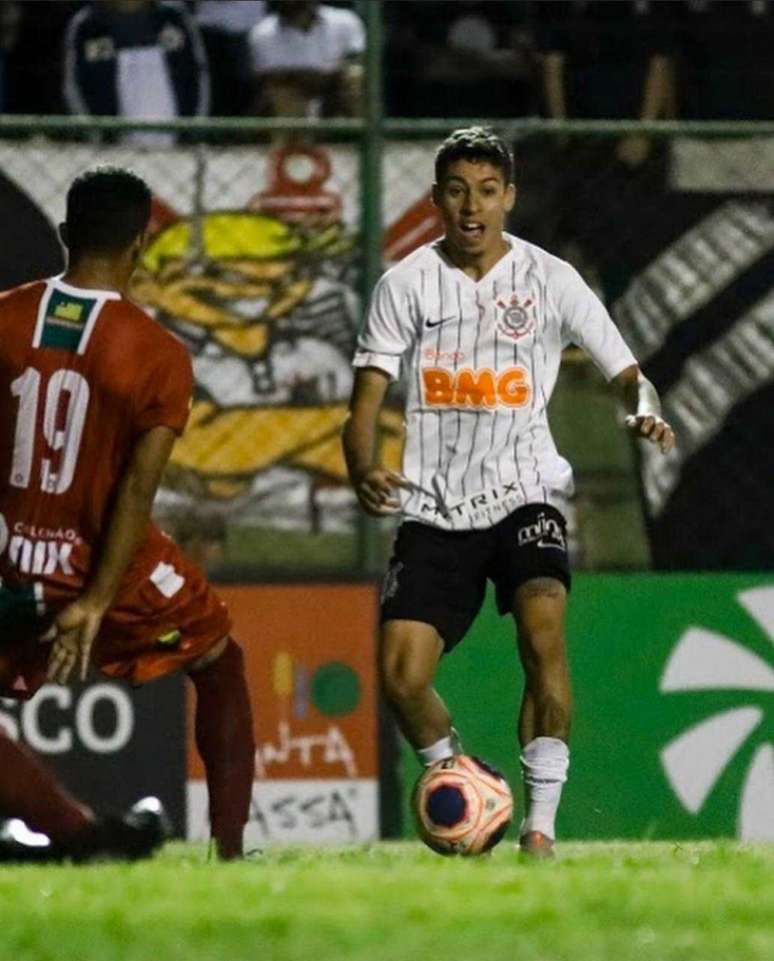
point(462, 806)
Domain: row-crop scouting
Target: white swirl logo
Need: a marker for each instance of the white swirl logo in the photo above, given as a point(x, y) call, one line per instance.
point(694, 761)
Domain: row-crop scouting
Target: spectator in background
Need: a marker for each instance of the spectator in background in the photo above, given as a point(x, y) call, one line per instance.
point(35, 81)
point(607, 61)
point(225, 26)
point(726, 60)
point(136, 59)
point(601, 61)
point(10, 14)
point(307, 60)
point(470, 58)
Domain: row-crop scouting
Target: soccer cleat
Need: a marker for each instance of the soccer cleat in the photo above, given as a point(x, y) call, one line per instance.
point(131, 836)
point(535, 844)
point(19, 845)
point(128, 837)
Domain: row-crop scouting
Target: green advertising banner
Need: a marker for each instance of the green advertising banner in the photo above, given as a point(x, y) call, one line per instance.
point(673, 732)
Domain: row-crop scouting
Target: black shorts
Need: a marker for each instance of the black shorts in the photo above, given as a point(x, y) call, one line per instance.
point(439, 577)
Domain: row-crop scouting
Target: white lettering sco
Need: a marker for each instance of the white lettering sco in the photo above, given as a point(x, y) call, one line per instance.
point(70, 719)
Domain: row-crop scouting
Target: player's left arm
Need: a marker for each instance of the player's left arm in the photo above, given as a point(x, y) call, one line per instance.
point(77, 625)
point(642, 402)
point(586, 322)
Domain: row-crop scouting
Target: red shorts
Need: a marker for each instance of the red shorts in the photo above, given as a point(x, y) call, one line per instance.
point(159, 623)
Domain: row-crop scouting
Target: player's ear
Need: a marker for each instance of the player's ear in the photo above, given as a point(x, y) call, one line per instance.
point(138, 246)
point(435, 195)
point(510, 197)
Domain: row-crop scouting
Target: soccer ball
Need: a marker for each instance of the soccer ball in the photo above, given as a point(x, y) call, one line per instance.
point(462, 806)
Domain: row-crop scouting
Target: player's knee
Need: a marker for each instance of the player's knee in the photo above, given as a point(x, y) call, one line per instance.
point(543, 649)
point(225, 646)
point(403, 681)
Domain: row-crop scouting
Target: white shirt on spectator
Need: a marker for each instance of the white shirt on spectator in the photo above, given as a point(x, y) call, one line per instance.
point(231, 16)
point(145, 90)
point(334, 35)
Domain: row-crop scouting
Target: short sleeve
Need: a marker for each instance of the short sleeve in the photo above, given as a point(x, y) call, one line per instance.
point(585, 321)
point(165, 397)
point(387, 332)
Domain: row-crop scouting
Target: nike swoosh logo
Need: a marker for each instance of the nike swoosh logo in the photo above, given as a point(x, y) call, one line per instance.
point(556, 544)
point(437, 323)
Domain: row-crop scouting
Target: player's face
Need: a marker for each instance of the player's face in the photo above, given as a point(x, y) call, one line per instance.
point(474, 201)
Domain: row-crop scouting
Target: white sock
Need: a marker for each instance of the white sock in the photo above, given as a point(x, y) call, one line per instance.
point(439, 751)
point(544, 763)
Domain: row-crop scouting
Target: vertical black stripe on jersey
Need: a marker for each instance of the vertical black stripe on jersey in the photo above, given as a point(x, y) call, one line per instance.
point(472, 447)
point(536, 468)
point(420, 395)
point(544, 302)
point(496, 412)
point(512, 441)
point(538, 478)
point(438, 349)
point(422, 315)
point(514, 414)
point(459, 415)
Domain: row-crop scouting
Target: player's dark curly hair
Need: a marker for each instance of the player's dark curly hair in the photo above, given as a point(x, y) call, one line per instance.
point(474, 143)
point(107, 208)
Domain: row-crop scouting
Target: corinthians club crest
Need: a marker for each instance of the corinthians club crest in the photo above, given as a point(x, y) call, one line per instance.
point(517, 317)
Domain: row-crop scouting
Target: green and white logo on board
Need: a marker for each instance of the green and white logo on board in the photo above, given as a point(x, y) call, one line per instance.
point(696, 760)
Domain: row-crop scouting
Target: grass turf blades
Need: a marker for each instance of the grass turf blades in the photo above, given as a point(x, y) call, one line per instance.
point(399, 902)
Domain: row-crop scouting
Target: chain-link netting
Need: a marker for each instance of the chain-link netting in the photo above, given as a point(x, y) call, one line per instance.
point(254, 261)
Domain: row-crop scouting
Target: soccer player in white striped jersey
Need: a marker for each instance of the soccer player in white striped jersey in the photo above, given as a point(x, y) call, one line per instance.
point(475, 324)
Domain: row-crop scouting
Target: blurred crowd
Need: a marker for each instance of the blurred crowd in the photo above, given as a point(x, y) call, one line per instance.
point(640, 59)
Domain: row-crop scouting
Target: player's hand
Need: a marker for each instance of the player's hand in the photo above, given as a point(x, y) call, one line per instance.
point(653, 428)
point(73, 634)
point(376, 491)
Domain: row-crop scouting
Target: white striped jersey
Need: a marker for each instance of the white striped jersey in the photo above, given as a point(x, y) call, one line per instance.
point(479, 360)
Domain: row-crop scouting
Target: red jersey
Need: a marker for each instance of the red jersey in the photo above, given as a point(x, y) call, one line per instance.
point(83, 373)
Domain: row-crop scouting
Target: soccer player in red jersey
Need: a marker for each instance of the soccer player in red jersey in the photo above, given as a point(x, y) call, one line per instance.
point(93, 393)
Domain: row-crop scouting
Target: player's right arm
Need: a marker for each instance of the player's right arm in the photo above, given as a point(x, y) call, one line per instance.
point(77, 625)
point(375, 486)
point(377, 361)
point(156, 415)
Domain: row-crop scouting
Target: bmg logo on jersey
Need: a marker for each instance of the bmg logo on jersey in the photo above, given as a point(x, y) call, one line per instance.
point(476, 388)
point(545, 532)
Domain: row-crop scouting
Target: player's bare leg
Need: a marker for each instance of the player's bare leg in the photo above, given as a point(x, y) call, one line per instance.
point(29, 791)
point(544, 721)
point(66, 828)
point(224, 738)
point(408, 658)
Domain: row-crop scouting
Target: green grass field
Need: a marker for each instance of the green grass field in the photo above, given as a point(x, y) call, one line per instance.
point(399, 902)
